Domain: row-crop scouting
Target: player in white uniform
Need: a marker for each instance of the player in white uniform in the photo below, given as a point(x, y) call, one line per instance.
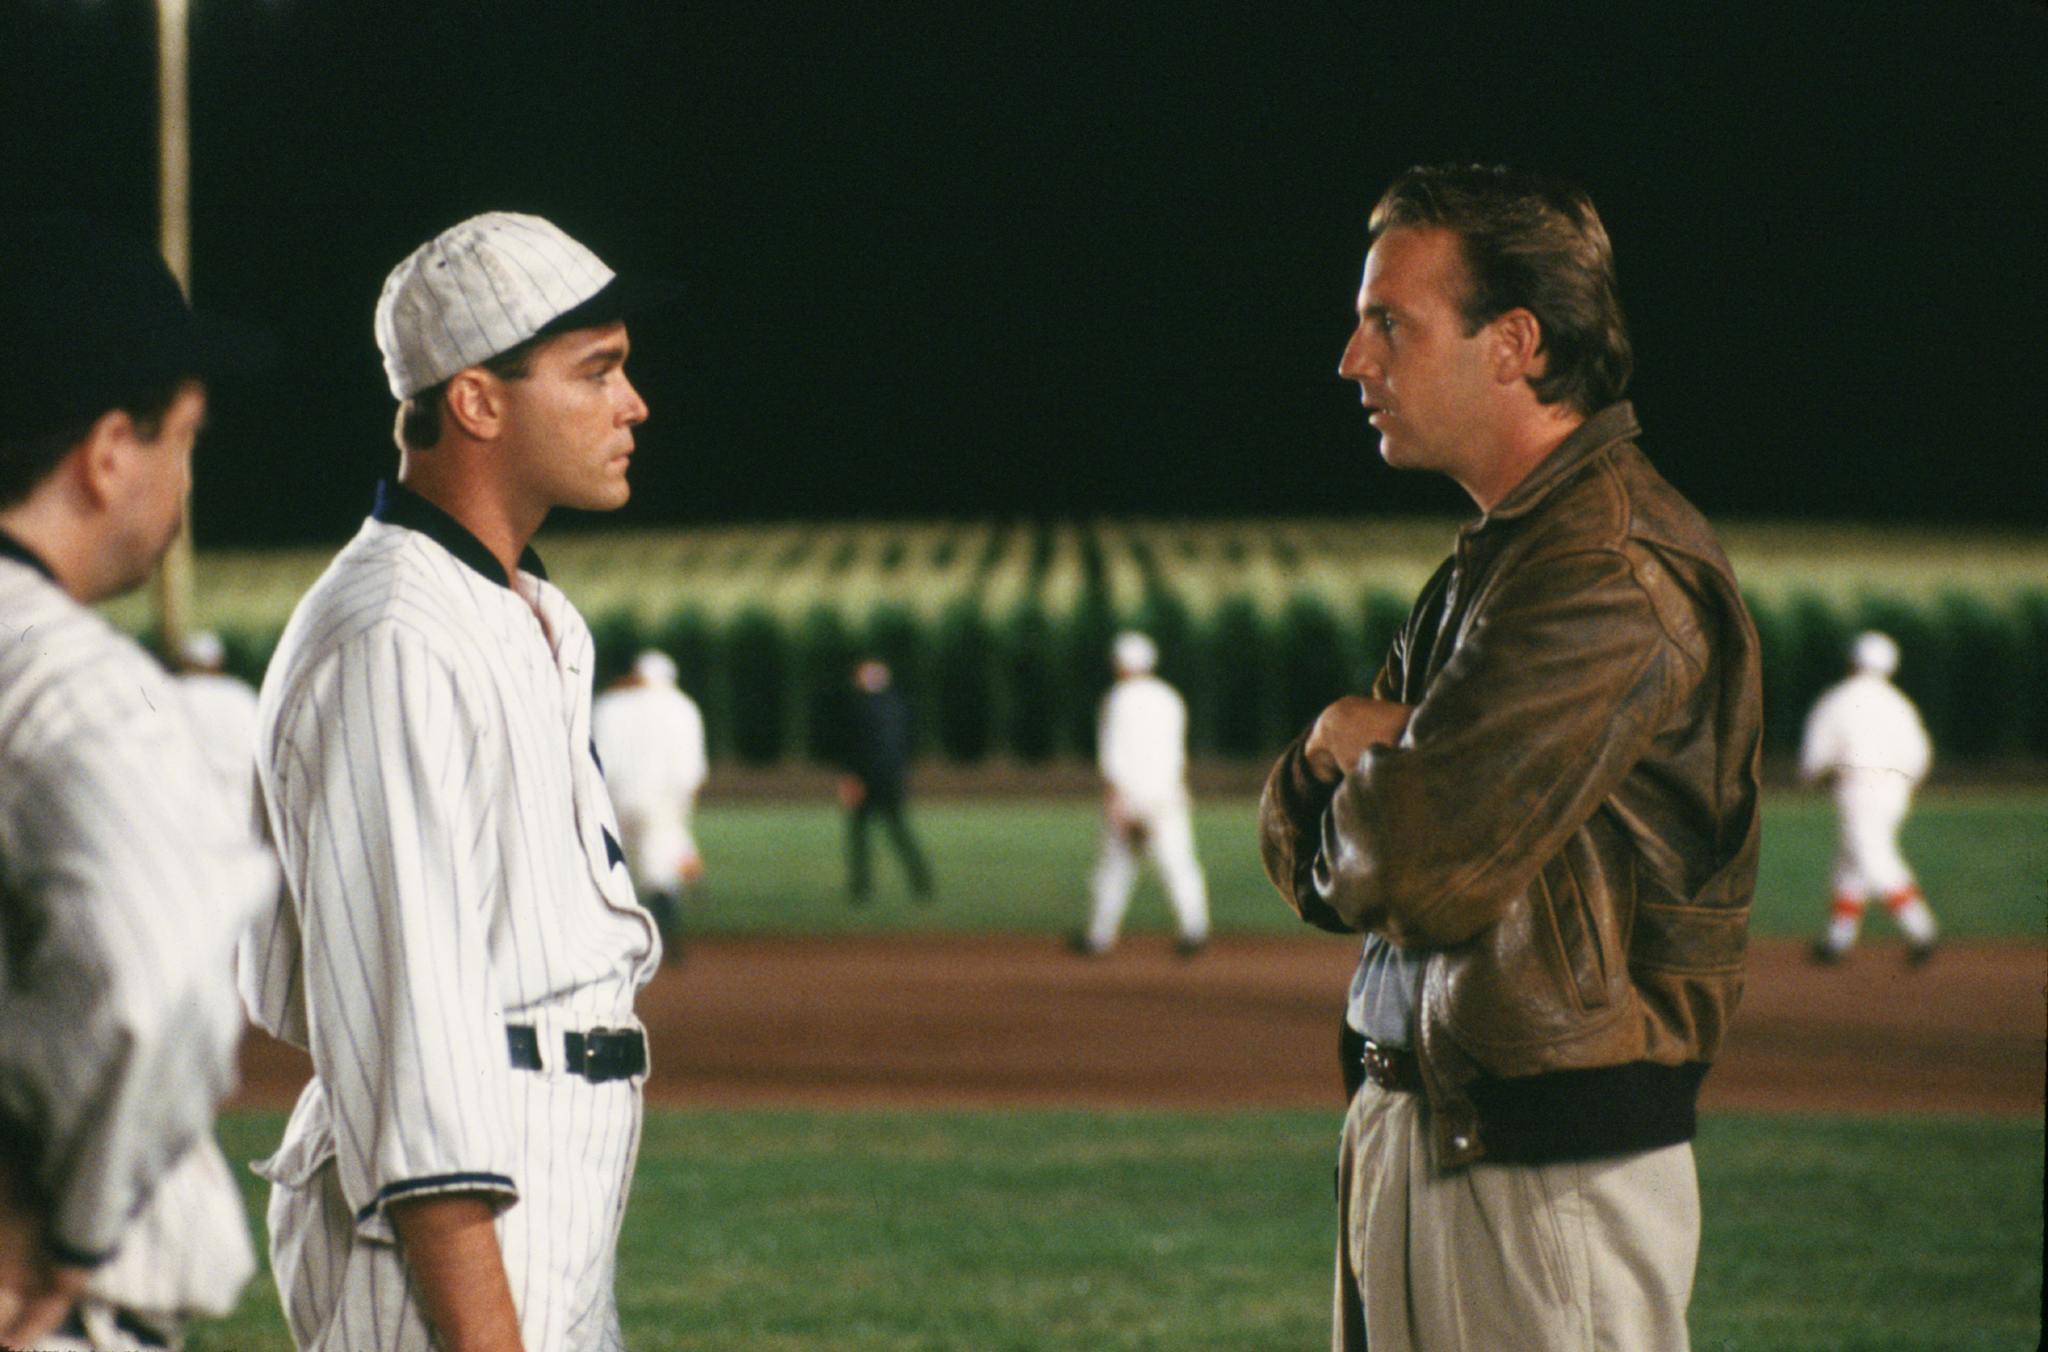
point(123, 879)
point(650, 738)
point(223, 709)
point(462, 946)
point(1866, 740)
point(1141, 749)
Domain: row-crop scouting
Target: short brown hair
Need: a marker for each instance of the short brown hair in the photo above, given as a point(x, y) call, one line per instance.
point(419, 417)
point(27, 460)
point(1528, 243)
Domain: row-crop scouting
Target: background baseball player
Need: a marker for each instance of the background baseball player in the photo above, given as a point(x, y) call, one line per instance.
point(463, 946)
point(223, 711)
point(1865, 739)
point(1141, 750)
point(875, 753)
point(650, 738)
point(123, 879)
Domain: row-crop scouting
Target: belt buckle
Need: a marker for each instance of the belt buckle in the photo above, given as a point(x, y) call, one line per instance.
point(1382, 1065)
point(604, 1054)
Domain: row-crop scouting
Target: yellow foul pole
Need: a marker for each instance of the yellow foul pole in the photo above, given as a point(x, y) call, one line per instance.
point(174, 235)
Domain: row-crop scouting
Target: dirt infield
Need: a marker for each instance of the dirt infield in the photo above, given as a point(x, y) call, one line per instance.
point(978, 1021)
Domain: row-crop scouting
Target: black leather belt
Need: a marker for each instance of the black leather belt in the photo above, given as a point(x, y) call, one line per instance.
point(1392, 1068)
point(598, 1055)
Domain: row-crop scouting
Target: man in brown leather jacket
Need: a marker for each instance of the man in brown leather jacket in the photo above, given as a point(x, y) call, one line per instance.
point(1544, 818)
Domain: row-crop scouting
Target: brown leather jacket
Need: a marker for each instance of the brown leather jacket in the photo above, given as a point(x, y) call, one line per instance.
point(1569, 825)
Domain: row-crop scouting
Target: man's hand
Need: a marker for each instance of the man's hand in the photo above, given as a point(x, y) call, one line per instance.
point(1345, 729)
point(35, 1293)
point(852, 793)
point(451, 1244)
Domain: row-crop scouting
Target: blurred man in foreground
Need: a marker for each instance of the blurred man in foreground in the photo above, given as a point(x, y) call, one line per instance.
point(1544, 819)
point(1865, 740)
point(124, 880)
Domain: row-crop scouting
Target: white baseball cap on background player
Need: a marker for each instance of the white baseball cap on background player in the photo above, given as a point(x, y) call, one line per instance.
point(489, 284)
point(203, 649)
point(655, 667)
point(1875, 652)
point(1134, 653)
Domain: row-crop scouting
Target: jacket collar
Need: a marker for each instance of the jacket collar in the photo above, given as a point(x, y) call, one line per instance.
point(1611, 425)
point(398, 505)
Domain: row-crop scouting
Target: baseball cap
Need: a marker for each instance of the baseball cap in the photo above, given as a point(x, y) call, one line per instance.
point(202, 648)
point(655, 667)
point(90, 317)
point(1134, 653)
point(489, 284)
point(1875, 652)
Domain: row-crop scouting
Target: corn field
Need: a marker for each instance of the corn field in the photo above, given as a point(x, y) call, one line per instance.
point(999, 630)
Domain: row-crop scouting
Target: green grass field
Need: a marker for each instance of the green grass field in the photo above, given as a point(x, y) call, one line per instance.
point(945, 1231)
point(1007, 866)
point(983, 1232)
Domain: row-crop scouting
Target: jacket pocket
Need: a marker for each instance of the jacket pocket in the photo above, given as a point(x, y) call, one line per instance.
point(1582, 952)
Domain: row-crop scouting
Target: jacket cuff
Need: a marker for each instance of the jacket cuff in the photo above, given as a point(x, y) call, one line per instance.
point(1290, 835)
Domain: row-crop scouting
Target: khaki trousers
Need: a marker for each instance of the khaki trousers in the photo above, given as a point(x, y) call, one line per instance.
point(1584, 1256)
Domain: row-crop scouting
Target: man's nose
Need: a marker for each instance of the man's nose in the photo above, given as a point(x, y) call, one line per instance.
point(634, 409)
point(1357, 359)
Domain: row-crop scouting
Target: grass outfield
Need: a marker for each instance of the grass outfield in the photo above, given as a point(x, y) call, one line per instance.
point(934, 1231)
point(1008, 866)
point(980, 1232)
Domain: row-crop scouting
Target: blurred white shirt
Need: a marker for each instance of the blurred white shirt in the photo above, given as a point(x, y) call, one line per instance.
point(224, 710)
point(650, 740)
point(1142, 744)
point(1865, 725)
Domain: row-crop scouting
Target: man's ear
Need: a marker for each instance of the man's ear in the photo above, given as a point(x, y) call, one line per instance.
point(105, 456)
point(476, 401)
point(1518, 347)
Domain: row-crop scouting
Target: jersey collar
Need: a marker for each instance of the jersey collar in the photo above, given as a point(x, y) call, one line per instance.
point(398, 505)
point(11, 548)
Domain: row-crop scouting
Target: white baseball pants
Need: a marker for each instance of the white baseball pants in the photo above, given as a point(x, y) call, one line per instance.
point(1168, 837)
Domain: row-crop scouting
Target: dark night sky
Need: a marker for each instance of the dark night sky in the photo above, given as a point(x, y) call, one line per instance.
point(1080, 258)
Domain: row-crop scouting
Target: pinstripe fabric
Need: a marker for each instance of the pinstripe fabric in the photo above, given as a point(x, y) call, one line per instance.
point(452, 866)
point(123, 885)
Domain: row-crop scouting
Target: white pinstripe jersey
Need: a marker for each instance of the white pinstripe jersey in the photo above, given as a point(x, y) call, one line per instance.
point(123, 886)
point(451, 860)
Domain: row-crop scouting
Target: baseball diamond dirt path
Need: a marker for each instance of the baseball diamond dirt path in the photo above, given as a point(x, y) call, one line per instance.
point(1015, 1021)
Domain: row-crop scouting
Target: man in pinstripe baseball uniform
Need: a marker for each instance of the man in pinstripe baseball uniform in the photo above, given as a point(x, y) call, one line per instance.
point(124, 878)
point(461, 945)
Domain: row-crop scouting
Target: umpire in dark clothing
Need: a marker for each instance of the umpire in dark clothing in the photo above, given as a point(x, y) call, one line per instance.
point(876, 756)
